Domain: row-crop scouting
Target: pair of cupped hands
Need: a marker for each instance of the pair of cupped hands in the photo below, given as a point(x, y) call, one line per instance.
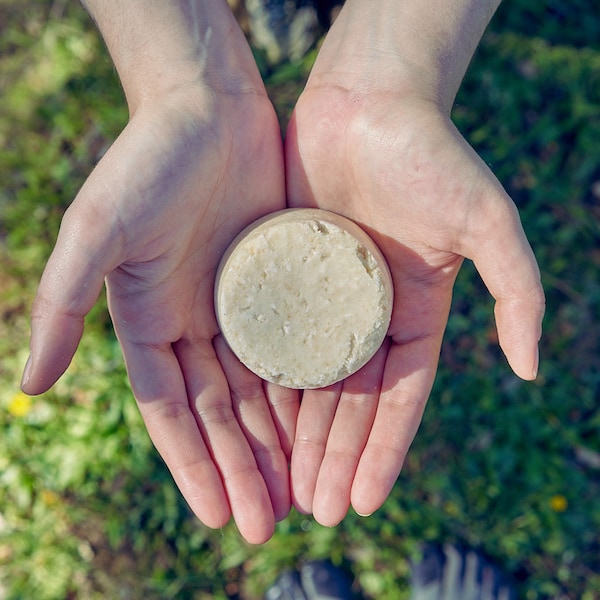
point(192, 168)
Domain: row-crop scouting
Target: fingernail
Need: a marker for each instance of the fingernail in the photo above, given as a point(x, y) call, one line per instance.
point(26, 372)
point(364, 515)
point(536, 362)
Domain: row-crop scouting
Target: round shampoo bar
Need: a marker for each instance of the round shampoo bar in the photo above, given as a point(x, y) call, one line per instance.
point(303, 297)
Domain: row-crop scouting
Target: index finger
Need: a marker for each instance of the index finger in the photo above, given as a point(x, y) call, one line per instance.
point(160, 390)
point(421, 310)
point(408, 377)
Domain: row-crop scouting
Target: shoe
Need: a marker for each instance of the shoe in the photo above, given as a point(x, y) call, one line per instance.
point(286, 587)
point(451, 573)
point(316, 580)
point(282, 29)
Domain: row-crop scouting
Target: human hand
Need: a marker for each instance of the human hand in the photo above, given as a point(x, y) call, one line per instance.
point(389, 158)
point(195, 164)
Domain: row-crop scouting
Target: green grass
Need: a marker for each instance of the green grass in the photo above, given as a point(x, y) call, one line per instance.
point(88, 510)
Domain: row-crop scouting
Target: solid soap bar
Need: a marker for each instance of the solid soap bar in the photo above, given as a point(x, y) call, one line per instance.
point(303, 297)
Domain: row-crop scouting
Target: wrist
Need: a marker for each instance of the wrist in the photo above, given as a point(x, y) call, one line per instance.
point(410, 48)
point(161, 47)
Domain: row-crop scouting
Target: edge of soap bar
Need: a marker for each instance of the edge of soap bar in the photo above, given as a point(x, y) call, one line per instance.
point(303, 215)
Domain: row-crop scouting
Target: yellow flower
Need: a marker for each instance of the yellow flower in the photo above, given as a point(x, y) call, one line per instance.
point(558, 503)
point(451, 508)
point(19, 405)
point(49, 498)
point(5, 553)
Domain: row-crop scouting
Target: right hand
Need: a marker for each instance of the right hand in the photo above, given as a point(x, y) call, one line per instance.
point(189, 171)
point(371, 139)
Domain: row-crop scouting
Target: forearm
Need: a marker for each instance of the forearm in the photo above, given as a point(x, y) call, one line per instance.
point(161, 45)
point(393, 44)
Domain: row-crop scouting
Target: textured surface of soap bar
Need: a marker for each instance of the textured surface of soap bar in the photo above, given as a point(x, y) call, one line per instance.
point(303, 298)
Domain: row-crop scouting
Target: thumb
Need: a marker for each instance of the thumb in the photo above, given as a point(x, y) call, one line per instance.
point(504, 259)
point(69, 287)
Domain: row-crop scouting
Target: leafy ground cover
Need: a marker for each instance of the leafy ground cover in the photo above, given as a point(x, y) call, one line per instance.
point(87, 509)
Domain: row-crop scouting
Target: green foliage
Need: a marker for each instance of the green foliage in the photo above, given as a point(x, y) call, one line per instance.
point(88, 510)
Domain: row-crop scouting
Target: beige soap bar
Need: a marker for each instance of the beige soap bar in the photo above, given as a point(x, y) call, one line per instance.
point(303, 298)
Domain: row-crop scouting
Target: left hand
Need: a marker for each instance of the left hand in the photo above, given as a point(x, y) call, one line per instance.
point(396, 165)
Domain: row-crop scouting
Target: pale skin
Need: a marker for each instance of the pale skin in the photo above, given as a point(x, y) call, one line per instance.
point(371, 138)
point(202, 157)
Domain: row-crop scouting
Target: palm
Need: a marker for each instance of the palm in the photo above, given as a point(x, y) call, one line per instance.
point(189, 191)
point(400, 169)
point(154, 218)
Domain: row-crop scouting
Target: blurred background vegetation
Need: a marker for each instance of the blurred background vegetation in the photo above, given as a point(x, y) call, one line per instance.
point(88, 510)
